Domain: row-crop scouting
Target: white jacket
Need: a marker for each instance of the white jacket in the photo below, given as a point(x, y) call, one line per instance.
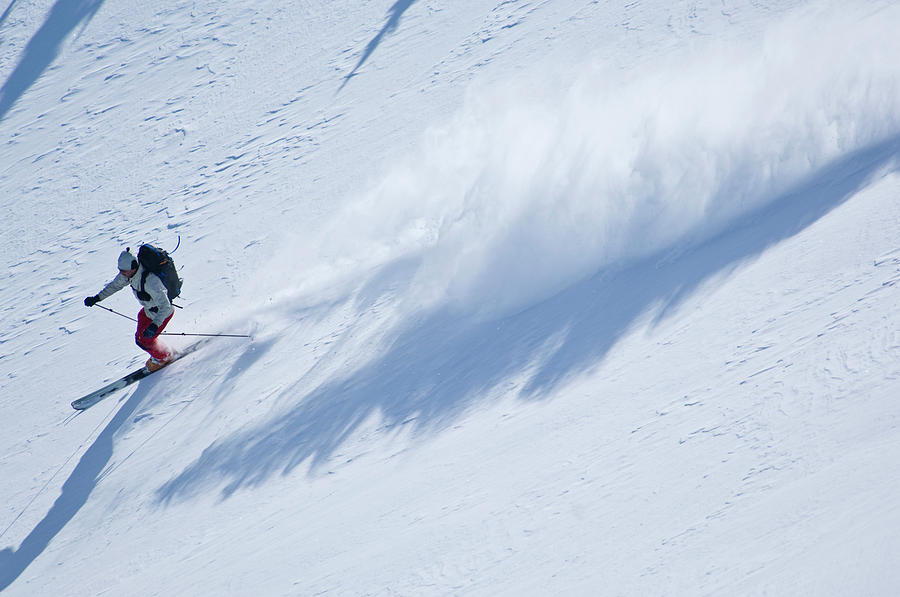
point(157, 307)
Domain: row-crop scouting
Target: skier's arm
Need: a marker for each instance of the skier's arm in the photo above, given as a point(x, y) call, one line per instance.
point(117, 284)
point(158, 308)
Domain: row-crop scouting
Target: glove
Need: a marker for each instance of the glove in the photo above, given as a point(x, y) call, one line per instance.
point(91, 301)
point(150, 331)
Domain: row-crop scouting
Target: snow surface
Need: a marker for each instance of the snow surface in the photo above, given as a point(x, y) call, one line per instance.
point(546, 297)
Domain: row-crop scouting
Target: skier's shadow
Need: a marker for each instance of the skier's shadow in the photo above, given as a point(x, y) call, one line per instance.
point(75, 493)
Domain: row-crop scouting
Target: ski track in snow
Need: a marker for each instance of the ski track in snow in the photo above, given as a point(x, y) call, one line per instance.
point(701, 402)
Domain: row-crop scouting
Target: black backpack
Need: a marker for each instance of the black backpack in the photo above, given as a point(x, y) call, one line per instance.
point(157, 261)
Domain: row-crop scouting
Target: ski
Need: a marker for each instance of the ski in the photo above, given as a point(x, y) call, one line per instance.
point(96, 396)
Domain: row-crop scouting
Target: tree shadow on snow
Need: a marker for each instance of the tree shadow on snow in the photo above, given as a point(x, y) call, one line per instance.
point(6, 12)
point(438, 367)
point(395, 13)
point(44, 46)
point(75, 493)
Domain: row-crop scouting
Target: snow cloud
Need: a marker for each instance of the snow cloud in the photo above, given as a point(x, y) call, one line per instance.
point(541, 180)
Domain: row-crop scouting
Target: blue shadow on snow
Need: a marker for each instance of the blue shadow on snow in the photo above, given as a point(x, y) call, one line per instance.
point(43, 48)
point(75, 493)
point(6, 12)
point(438, 367)
point(395, 13)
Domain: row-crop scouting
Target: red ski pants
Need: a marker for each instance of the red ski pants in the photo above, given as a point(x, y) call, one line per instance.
point(153, 344)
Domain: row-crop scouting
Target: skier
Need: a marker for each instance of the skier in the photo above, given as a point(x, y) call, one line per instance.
point(157, 310)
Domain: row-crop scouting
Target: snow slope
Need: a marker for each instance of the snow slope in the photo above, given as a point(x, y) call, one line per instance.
point(545, 297)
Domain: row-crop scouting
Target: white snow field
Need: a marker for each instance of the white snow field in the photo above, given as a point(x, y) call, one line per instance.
point(544, 297)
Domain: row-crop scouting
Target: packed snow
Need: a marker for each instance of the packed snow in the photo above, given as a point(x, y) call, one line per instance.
point(543, 297)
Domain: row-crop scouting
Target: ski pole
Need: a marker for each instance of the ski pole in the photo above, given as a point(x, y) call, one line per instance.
point(116, 312)
point(175, 333)
point(206, 335)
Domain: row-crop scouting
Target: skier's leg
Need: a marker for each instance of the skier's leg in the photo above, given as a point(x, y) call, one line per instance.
point(153, 345)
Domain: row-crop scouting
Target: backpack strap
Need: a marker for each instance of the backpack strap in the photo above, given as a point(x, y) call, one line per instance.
point(143, 294)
